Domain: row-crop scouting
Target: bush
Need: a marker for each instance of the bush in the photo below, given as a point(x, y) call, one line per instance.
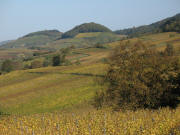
point(99, 46)
point(27, 66)
point(60, 59)
point(56, 60)
point(9, 65)
point(36, 64)
point(140, 77)
point(46, 63)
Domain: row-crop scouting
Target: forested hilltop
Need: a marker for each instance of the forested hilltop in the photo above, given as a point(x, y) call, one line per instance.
point(85, 28)
point(169, 24)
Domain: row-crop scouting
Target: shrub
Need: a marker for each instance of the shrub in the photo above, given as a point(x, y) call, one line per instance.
point(56, 60)
point(60, 59)
point(140, 77)
point(99, 46)
point(46, 63)
point(27, 66)
point(36, 64)
point(9, 65)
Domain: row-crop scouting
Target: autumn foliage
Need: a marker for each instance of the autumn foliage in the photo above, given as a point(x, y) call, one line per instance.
point(140, 77)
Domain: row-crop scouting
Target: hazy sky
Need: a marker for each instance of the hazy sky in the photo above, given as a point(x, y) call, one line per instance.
point(20, 17)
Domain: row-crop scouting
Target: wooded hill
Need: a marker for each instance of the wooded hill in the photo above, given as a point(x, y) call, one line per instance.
point(85, 28)
point(171, 24)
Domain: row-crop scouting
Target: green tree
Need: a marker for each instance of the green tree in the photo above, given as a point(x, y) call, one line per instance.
point(7, 66)
point(140, 77)
point(56, 60)
point(61, 58)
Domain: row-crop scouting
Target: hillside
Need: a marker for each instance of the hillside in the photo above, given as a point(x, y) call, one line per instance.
point(53, 39)
point(58, 100)
point(34, 39)
point(28, 45)
point(85, 28)
point(65, 87)
point(171, 24)
point(89, 39)
point(54, 34)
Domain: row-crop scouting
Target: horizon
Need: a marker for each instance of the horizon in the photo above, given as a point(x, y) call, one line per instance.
point(23, 17)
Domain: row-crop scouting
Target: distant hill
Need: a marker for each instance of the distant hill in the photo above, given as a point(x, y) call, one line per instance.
point(5, 42)
point(34, 39)
point(50, 33)
point(171, 24)
point(89, 39)
point(85, 28)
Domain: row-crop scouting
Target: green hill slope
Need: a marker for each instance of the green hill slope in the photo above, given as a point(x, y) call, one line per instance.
point(48, 89)
point(85, 40)
point(85, 28)
point(34, 39)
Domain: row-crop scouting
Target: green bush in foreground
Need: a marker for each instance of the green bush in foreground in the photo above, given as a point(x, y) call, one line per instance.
point(140, 77)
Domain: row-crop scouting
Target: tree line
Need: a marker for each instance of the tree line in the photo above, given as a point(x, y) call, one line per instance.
point(58, 59)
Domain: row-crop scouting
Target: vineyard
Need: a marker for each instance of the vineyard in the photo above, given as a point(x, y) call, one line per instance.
point(142, 122)
point(58, 100)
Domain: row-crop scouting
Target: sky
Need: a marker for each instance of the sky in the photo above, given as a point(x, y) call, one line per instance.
point(20, 17)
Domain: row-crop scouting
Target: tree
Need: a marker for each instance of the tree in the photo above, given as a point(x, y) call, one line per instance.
point(56, 60)
point(7, 66)
point(140, 77)
point(61, 58)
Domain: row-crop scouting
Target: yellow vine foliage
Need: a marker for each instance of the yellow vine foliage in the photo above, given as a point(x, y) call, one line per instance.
point(103, 122)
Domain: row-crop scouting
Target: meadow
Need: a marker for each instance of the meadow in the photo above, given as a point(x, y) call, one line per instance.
point(57, 100)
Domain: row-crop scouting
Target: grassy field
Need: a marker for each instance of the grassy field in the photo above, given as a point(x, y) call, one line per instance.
point(57, 100)
point(48, 89)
